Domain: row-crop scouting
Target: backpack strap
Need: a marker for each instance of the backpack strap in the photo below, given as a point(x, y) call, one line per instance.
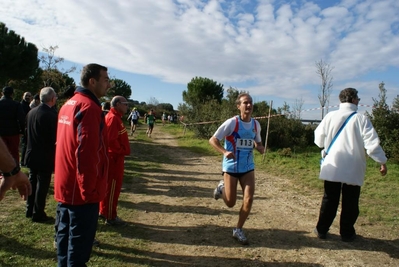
point(339, 131)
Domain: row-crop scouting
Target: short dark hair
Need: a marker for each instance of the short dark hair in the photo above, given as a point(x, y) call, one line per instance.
point(8, 91)
point(91, 71)
point(106, 105)
point(347, 95)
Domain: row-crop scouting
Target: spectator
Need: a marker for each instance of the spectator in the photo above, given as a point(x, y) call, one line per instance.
point(41, 125)
point(81, 167)
point(105, 106)
point(344, 167)
point(118, 148)
point(12, 122)
point(26, 98)
point(35, 102)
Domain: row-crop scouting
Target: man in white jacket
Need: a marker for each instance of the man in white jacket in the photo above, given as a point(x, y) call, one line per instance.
point(344, 167)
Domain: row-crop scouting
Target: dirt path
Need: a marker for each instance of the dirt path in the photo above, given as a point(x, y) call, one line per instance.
point(187, 227)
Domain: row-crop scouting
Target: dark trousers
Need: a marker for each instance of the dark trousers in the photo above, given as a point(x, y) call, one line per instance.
point(76, 229)
point(349, 208)
point(23, 149)
point(36, 202)
point(12, 143)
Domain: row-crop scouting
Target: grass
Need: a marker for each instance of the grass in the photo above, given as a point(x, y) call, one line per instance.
point(23, 243)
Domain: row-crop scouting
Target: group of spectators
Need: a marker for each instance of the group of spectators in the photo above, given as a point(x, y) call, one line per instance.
point(84, 147)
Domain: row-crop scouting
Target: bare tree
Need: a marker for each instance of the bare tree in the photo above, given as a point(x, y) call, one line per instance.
point(49, 63)
point(298, 108)
point(153, 102)
point(323, 69)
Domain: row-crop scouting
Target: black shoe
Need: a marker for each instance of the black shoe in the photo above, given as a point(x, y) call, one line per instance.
point(115, 222)
point(348, 238)
point(41, 219)
point(319, 235)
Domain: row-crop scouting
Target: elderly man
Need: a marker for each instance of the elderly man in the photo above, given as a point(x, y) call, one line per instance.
point(118, 148)
point(41, 129)
point(344, 164)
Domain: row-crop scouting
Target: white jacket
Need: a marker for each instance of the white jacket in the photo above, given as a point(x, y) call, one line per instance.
point(346, 160)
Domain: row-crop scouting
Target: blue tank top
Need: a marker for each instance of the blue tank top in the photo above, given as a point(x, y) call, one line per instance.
point(241, 142)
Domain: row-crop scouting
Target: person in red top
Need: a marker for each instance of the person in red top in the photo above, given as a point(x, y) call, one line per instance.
point(81, 167)
point(118, 148)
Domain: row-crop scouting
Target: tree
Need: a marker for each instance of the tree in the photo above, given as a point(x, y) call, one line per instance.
point(297, 108)
point(395, 104)
point(33, 84)
point(285, 109)
point(153, 101)
point(386, 124)
point(119, 87)
point(165, 107)
point(229, 106)
point(52, 75)
point(18, 59)
point(324, 69)
point(201, 90)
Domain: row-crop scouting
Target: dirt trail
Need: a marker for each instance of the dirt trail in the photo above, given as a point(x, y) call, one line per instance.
point(187, 227)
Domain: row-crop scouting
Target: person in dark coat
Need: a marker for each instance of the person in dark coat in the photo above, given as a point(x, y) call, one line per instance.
point(12, 122)
point(26, 98)
point(40, 153)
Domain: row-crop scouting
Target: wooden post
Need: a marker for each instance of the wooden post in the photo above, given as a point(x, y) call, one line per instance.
point(267, 130)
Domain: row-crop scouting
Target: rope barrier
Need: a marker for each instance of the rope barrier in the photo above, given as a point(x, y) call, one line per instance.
point(266, 117)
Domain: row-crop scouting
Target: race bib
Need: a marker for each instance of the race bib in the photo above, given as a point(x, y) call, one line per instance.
point(244, 144)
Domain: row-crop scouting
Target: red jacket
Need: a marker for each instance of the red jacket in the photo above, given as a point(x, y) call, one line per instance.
point(118, 140)
point(81, 162)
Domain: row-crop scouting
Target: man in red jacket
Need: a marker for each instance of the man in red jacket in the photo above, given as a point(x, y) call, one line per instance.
point(118, 148)
point(81, 167)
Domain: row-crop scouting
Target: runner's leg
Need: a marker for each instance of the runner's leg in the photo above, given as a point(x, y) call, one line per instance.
point(247, 183)
point(230, 190)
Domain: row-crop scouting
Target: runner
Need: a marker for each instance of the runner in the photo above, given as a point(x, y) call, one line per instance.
point(241, 134)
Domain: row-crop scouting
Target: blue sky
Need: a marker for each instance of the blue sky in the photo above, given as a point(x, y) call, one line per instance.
point(266, 47)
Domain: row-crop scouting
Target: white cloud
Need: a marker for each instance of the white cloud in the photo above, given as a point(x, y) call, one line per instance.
point(275, 47)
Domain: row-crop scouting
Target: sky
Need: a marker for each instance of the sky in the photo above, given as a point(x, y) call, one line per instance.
point(268, 48)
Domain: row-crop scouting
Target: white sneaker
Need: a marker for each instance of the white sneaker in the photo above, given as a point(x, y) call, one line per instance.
point(218, 192)
point(238, 234)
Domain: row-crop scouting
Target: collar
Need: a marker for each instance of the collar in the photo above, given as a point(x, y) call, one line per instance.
point(348, 106)
point(88, 93)
point(114, 111)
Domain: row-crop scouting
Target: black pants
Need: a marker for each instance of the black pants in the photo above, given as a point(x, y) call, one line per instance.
point(329, 206)
point(23, 149)
point(36, 202)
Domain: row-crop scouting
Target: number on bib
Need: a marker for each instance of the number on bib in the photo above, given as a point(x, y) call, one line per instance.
point(245, 143)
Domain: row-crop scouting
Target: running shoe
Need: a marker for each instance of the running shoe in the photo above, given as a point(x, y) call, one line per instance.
point(218, 192)
point(238, 234)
